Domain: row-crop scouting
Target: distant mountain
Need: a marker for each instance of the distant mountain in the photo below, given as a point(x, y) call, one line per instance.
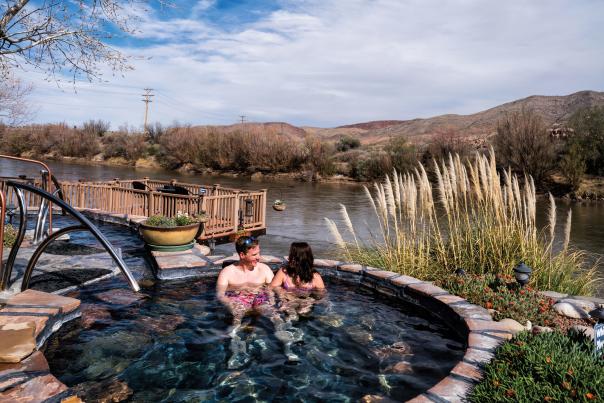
point(481, 125)
point(476, 127)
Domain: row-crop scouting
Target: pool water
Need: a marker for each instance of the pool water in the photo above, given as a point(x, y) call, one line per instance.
point(173, 345)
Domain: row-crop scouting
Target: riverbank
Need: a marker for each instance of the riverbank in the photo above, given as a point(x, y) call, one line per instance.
point(188, 169)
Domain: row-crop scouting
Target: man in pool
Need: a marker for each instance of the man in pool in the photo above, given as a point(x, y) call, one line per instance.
point(240, 285)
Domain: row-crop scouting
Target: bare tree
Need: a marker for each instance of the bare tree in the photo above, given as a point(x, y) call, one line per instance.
point(64, 35)
point(523, 143)
point(14, 108)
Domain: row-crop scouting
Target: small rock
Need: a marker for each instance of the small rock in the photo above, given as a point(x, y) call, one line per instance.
point(106, 391)
point(120, 296)
point(17, 341)
point(553, 295)
point(512, 326)
point(492, 312)
point(401, 367)
point(541, 329)
point(528, 325)
point(92, 313)
point(203, 249)
point(570, 310)
point(589, 331)
point(257, 176)
point(581, 303)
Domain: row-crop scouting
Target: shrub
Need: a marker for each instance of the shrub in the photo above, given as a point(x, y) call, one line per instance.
point(502, 294)
point(478, 220)
point(371, 167)
point(573, 165)
point(447, 141)
point(588, 126)
point(347, 143)
point(96, 127)
point(10, 235)
point(130, 146)
point(523, 143)
point(550, 367)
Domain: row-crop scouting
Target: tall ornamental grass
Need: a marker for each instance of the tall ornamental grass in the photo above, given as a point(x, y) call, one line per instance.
point(473, 217)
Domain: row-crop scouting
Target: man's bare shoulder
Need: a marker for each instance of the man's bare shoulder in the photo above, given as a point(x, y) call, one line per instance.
point(264, 267)
point(228, 270)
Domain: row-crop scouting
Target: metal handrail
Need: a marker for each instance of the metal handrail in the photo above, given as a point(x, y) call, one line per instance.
point(48, 179)
point(85, 224)
point(2, 216)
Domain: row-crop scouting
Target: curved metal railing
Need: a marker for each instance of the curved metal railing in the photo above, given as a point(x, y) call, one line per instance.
point(85, 224)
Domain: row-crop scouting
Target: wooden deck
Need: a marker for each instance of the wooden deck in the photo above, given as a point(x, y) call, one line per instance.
point(223, 206)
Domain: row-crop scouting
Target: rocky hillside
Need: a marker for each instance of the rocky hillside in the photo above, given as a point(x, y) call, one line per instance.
point(481, 125)
point(476, 127)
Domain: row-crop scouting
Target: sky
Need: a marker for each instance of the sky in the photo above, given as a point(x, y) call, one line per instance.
point(334, 62)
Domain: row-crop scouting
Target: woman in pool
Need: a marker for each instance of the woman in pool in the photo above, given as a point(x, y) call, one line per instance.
point(293, 283)
point(299, 273)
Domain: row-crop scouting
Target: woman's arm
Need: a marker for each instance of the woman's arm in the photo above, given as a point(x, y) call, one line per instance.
point(278, 279)
point(317, 282)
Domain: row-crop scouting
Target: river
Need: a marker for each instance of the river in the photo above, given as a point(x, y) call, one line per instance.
point(309, 203)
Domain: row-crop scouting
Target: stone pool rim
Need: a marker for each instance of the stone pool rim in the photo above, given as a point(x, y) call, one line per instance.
point(472, 323)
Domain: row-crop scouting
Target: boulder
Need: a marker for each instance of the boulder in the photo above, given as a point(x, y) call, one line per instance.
point(17, 341)
point(589, 331)
point(580, 303)
point(511, 326)
point(570, 310)
point(541, 329)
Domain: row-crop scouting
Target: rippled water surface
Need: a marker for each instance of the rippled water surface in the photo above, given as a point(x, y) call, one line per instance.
point(174, 346)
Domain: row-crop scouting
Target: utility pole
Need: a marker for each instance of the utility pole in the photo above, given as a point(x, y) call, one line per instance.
point(242, 123)
point(147, 99)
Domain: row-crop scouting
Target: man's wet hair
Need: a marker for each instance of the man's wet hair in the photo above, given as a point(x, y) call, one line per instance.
point(245, 243)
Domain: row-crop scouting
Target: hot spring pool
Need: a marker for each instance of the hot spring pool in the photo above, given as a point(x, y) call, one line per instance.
point(173, 346)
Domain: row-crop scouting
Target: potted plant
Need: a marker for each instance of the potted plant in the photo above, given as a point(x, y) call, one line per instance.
point(171, 233)
point(279, 205)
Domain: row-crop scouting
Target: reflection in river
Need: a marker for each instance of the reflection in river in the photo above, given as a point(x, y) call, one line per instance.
point(309, 203)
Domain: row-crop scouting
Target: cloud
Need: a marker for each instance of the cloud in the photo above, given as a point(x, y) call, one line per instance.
point(334, 62)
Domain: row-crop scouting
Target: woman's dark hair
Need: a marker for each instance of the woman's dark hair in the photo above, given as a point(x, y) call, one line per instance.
point(300, 265)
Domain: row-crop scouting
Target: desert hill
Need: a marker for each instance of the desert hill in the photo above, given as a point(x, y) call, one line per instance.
point(476, 127)
point(481, 125)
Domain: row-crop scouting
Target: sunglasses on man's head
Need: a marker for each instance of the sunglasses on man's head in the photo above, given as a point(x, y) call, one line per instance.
point(249, 241)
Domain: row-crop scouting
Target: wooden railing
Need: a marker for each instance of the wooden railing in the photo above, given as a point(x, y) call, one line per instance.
point(221, 205)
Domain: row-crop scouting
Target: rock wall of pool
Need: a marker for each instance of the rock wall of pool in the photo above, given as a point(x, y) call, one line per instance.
point(376, 336)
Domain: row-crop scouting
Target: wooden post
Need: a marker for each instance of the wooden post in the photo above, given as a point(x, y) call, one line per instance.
point(263, 208)
point(236, 212)
point(150, 204)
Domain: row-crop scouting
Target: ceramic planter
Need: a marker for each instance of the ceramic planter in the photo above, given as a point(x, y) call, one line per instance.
point(169, 236)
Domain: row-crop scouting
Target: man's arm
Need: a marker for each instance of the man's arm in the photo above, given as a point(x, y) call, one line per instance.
point(269, 275)
point(221, 286)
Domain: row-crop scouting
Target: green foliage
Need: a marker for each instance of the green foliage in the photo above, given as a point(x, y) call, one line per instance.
point(10, 235)
point(347, 143)
point(160, 221)
point(572, 165)
point(502, 294)
point(167, 222)
point(588, 126)
point(402, 155)
point(374, 166)
point(550, 367)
